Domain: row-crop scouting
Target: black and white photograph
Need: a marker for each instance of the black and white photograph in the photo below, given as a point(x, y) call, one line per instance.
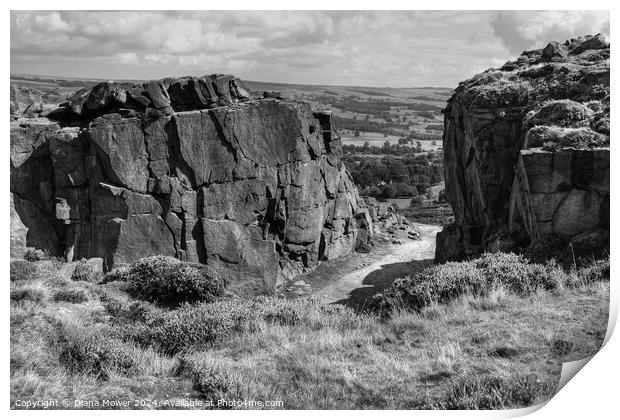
point(306, 209)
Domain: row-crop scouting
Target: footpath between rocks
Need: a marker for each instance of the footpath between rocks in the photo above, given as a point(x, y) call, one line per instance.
point(355, 279)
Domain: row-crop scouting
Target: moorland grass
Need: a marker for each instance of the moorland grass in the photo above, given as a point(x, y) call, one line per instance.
point(496, 348)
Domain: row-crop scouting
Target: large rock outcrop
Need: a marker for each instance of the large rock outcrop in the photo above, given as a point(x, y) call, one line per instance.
point(526, 151)
point(191, 168)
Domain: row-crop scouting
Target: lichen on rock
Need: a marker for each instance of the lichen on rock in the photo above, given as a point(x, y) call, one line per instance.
point(510, 135)
point(191, 168)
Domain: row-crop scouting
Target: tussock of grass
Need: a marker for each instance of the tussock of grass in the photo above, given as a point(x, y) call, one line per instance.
point(21, 270)
point(31, 293)
point(500, 348)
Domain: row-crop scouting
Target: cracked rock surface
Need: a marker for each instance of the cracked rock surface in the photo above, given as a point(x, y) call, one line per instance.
point(526, 151)
point(193, 168)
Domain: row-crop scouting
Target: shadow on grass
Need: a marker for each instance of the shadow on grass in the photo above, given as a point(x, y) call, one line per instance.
point(379, 280)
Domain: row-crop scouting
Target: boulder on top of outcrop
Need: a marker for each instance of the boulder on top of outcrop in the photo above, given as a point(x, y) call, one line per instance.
point(25, 102)
point(597, 42)
point(165, 95)
point(554, 99)
point(554, 50)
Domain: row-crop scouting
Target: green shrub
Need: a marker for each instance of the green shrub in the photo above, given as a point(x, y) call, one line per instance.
point(601, 125)
point(36, 255)
point(84, 272)
point(553, 138)
point(207, 324)
point(71, 296)
point(167, 280)
point(362, 247)
point(518, 275)
point(545, 248)
point(28, 293)
point(202, 325)
point(561, 113)
point(596, 271)
point(306, 312)
point(443, 283)
point(22, 270)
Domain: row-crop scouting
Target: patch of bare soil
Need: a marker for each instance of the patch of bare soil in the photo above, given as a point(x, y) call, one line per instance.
point(355, 279)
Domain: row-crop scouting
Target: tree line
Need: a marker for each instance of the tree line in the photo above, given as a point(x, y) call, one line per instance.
point(395, 176)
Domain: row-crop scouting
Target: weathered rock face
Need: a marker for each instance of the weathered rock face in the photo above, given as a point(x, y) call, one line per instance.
point(25, 102)
point(565, 193)
point(526, 150)
point(255, 187)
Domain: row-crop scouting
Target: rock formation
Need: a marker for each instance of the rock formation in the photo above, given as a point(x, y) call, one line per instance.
point(526, 151)
point(25, 102)
point(189, 167)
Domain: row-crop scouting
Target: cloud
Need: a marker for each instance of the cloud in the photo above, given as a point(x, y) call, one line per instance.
point(380, 48)
point(522, 30)
point(51, 22)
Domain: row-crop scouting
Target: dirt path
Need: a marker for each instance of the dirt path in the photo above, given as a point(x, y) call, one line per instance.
point(355, 279)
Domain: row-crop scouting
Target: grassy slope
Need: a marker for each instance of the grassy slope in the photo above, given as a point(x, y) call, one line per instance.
point(476, 352)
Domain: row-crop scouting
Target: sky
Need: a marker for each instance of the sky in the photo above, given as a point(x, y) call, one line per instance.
point(358, 48)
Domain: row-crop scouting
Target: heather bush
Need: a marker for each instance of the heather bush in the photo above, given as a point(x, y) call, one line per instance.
point(84, 272)
point(170, 281)
point(28, 293)
point(443, 283)
point(202, 325)
point(71, 296)
point(22, 270)
point(561, 113)
point(307, 312)
point(596, 271)
point(545, 248)
point(518, 275)
point(95, 352)
point(552, 138)
point(32, 255)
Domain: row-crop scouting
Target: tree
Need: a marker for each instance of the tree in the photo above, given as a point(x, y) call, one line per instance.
point(356, 134)
point(387, 191)
point(417, 201)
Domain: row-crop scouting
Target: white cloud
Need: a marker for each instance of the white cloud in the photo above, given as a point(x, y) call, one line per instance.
point(521, 30)
point(51, 22)
point(323, 47)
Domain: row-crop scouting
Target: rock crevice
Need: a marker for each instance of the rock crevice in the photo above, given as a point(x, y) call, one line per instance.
point(526, 151)
point(193, 168)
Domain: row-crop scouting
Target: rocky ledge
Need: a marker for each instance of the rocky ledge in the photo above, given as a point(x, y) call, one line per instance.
point(192, 168)
point(526, 152)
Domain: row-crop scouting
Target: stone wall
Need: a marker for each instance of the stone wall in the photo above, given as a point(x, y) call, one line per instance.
point(255, 187)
